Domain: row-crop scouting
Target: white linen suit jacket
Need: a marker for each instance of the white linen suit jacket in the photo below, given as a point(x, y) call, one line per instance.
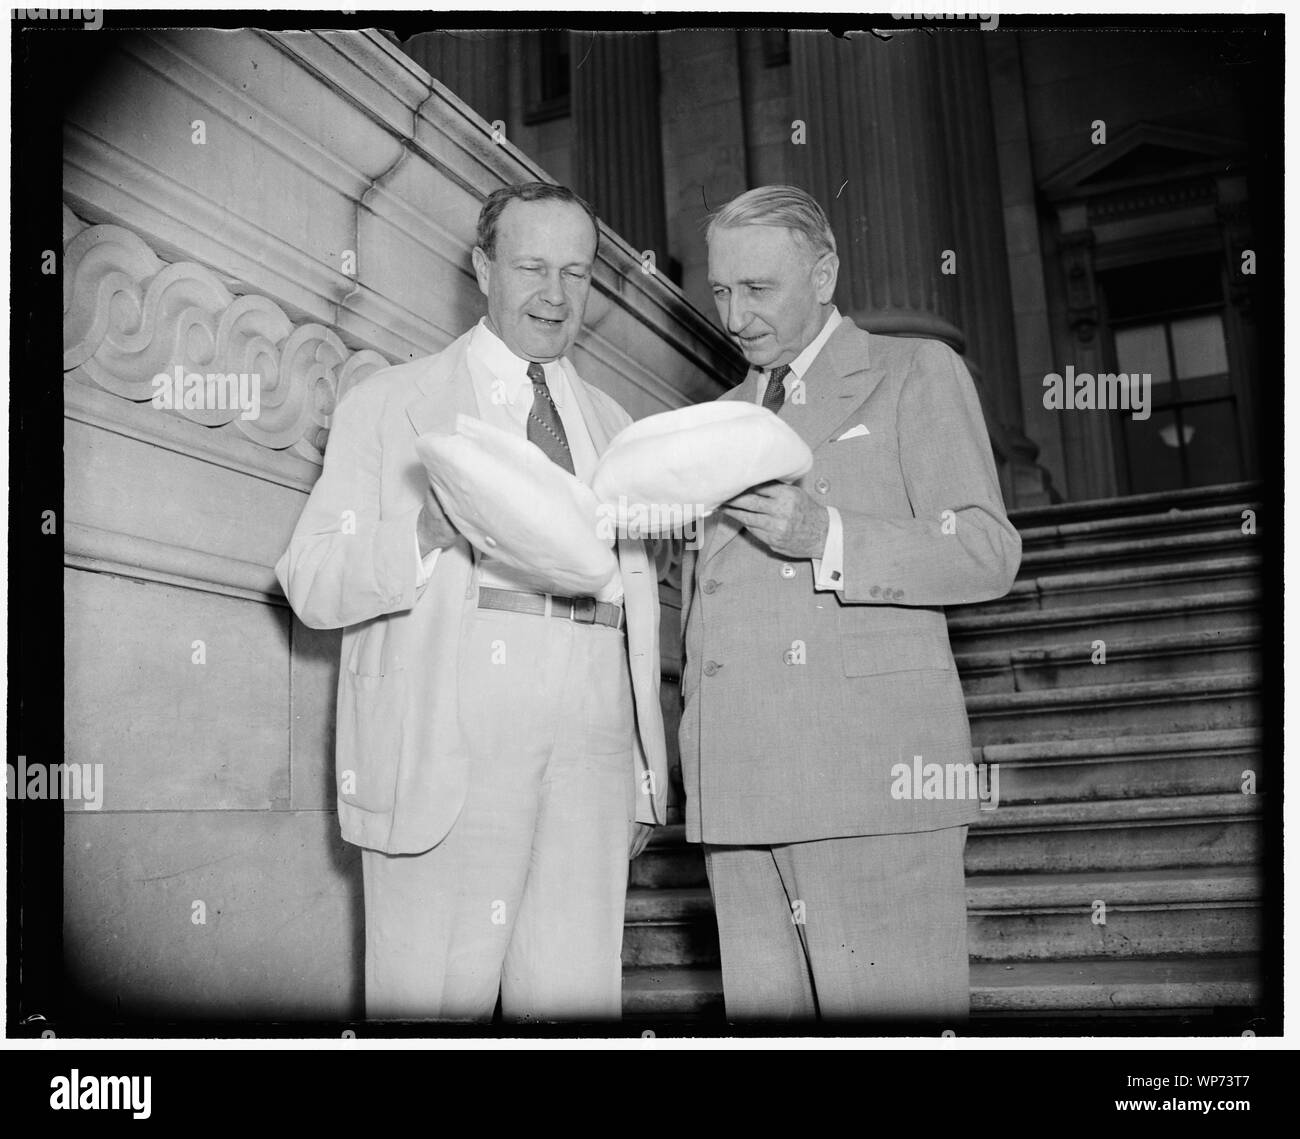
point(401, 763)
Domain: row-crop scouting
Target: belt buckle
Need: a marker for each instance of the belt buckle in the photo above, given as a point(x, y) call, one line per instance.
point(584, 610)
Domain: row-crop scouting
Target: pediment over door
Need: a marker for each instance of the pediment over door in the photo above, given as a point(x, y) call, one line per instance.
point(1147, 169)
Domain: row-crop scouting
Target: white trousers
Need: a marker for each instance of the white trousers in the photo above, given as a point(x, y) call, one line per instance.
point(525, 895)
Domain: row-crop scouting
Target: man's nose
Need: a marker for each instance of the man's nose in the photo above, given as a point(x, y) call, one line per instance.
point(552, 290)
point(737, 317)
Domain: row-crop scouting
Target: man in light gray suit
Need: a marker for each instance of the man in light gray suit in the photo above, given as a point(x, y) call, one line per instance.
point(817, 662)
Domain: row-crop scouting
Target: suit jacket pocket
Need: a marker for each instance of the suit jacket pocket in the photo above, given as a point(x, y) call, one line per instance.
point(371, 718)
point(872, 654)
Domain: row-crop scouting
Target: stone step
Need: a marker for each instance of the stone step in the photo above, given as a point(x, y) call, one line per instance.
point(1161, 913)
point(972, 628)
point(669, 861)
point(1180, 704)
point(1126, 767)
point(1066, 589)
point(1120, 834)
point(1106, 985)
point(1159, 656)
point(1228, 516)
point(1096, 986)
point(1130, 833)
point(672, 926)
point(673, 992)
point(1113, 553)
point(1018, 917)
point(1134, 505)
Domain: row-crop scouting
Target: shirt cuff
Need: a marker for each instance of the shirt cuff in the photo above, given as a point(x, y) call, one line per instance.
point(828, 570)
point(424, 565)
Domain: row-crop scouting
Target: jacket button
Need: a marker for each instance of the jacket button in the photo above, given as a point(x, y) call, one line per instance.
point(898, 595)
point(822, 486)
point(488, 540)
point(875, 591)
point(709, 586)
point(787, 570)
point(710, 667)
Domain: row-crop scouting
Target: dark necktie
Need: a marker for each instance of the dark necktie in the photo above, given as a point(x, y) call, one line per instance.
point(774, 397)
point(544, 426)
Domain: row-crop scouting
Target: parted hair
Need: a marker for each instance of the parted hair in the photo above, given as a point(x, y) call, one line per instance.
point(785, 206)
point(486, 235)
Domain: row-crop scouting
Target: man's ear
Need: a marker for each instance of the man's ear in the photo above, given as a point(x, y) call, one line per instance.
point(825, 275)
point(482, 268)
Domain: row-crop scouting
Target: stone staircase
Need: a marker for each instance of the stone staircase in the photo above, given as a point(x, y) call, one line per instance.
point(1120, 783)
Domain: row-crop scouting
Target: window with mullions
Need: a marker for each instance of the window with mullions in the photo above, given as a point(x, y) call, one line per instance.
point(1166, 319)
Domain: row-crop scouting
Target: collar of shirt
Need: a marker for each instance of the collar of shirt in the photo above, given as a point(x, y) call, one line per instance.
point(511, 370)
point(801, 363)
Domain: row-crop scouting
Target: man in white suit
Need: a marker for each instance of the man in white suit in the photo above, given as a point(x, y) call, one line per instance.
point(499, 752)
point(816, 649)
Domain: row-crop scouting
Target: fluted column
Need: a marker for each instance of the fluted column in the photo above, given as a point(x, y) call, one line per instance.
point(980, 253)
point(900, 149)
point(472, 63)
point(981, 271)
point(873, 157)
point(618, 160)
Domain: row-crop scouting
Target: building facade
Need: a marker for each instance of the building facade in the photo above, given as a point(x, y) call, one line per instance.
point(300, 206)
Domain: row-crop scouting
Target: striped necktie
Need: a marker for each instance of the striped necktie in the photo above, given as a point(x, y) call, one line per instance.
point(544, 426)
point(774, 397)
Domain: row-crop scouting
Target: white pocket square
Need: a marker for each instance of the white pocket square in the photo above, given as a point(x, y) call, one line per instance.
point(853, 433)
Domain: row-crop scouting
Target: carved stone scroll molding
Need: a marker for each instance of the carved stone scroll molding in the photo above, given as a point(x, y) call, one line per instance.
point(129, 316)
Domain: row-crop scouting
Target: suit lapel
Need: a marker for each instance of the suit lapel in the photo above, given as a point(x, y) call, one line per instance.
point(841, 378)
point(445, 391)
point(600, 425)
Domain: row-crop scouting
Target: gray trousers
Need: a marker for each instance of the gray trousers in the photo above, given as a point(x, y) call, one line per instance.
point(863, 928)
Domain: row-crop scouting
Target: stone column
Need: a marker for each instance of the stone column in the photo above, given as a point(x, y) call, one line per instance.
point(472, 63)
point(900, 150)
point(618, 160)
point(980, 252)
point(979, 257)
point(1089, 445)
point(872, 154)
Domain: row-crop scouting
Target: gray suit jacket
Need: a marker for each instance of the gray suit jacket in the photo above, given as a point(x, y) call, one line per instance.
point(801, 705)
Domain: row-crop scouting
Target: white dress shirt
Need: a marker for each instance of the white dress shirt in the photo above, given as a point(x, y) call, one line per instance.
point(505, 397)
point(828, 570)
